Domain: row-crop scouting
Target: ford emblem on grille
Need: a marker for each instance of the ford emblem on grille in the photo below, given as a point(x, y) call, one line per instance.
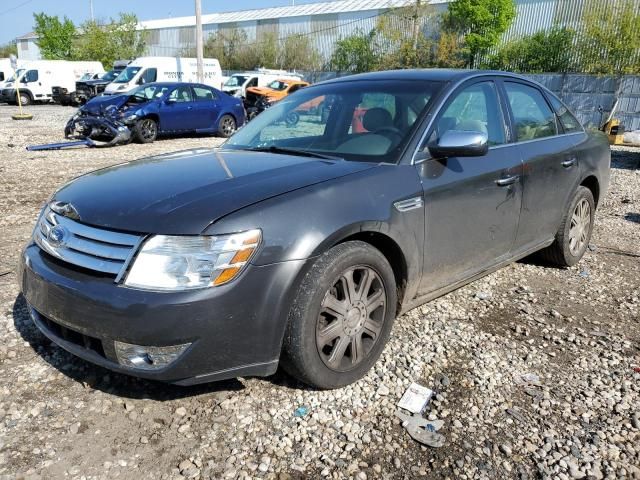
point(65, 209)
point(57, 236)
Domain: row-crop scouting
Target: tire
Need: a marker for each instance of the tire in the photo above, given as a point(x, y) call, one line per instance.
point(226, 126)
point(574, 233)
point(25, 99)
point(318, 347)
point(145, 130)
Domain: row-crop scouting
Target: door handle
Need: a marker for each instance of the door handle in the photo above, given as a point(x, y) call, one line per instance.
point(504, 182)
point(570, 162)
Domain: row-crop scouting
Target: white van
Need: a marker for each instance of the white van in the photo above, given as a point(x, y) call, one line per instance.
point(6, 72)
point(164, 69)
point(238, 83)
point(38, 78)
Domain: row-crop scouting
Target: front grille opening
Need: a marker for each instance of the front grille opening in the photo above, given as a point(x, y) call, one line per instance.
point(75, 268)
point(77, 338)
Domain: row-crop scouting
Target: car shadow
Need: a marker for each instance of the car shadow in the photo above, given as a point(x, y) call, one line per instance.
point(99, 378)
point(628, 162)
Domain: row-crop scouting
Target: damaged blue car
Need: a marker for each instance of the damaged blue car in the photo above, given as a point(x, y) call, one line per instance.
point(157, 109)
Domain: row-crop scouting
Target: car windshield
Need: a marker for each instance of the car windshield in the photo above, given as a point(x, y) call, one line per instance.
point(149, 92)
point(86, 76)
point(110, 76)
point(278, 85)
point(360, 120)
point(127, 75)
point(236, 81)
point(19, 72)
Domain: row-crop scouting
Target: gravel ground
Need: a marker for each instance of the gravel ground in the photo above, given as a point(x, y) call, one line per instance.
point(533, 368)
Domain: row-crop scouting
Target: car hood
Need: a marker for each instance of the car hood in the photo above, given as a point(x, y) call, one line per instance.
point(266, 91)
point(97, 105)
point(184, 192)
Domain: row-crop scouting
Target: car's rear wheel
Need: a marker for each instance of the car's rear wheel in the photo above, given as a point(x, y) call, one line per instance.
point(145, 130)
point(226, 126)
point(342, 316)
point(572, 238)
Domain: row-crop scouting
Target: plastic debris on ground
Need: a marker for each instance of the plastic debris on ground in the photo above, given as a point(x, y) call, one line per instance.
point(410, 409)
point(300, 412)
point(415, 398)
point(584, 273)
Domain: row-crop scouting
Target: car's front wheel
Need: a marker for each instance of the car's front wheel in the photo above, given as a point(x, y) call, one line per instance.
point(342, 316)
point(226, 126)
point(574, 233)
point(145, 130)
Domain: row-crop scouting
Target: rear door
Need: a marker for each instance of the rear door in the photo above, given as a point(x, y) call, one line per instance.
point(551, 167)
point(206, 107)
point(177, 112)
point(472, 204)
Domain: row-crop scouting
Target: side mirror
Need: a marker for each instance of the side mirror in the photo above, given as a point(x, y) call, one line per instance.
point(460, 143)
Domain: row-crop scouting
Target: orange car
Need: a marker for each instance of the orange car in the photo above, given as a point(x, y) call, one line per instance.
point(276, 90)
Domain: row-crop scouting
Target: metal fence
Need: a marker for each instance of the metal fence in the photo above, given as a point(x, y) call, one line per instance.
point(585, 93)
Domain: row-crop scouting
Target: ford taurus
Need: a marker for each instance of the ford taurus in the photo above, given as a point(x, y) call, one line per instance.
point(299, 244)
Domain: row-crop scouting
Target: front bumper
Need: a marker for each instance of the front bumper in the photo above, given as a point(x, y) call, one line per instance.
point(234, 330)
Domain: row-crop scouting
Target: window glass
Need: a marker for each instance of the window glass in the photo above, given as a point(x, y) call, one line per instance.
point(203, 94)
point(30, 76)
point(368, 121)
point(531, 113)
point(148, 76)
point(568, 121)
point(278, 85)
point(235, 81)
point(126, 75)
point(181, 94)
point(1, 76)
point(148, 92)
point(476, 109)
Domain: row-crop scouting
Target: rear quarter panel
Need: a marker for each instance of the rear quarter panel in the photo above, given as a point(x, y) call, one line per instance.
point(594, 157)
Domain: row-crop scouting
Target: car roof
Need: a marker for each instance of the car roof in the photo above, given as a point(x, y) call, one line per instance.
point(425, 74)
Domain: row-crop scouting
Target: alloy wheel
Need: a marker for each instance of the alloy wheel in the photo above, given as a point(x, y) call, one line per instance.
point(580, 225)
point(228, 126)
point(148, 129)
point(351, 318)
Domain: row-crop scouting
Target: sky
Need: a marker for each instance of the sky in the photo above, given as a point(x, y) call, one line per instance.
point(16, 16)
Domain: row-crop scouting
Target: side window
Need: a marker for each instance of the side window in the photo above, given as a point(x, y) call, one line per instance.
point(475, 108)
point(181, 94)
point(203, 94)
point(532, 115)
point(253, 82)
point(294, 88)
point(568, 121)
point(148, 76)
point(30, 76)
point(1, 76)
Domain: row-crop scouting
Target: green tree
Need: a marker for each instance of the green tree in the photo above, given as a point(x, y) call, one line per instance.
point(610, 41)
point(55, 37)
point(298, 53)
point(118, 39)
point(401, 34)
point(225, 45)
point(481, 23)
point(8, 49)
point(355, 53)
point(544, 51)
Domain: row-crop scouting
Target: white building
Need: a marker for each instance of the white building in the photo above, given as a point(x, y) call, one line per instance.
point(325, 21)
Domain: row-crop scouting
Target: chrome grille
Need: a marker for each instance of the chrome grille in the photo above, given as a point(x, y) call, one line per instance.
point(88, 247)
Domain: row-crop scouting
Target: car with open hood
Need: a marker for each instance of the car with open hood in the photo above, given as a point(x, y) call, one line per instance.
point(299, 244)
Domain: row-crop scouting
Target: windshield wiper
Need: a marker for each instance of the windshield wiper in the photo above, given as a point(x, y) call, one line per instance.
point(292, 151)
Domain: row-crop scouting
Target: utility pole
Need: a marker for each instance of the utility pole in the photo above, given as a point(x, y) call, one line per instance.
point(199, 46)
point(416, 27)
point(91, 9)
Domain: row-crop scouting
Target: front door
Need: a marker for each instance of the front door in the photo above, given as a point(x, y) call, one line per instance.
point(178, 111)
point(472, 204)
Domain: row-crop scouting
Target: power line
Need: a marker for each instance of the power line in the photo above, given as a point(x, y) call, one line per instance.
point(16, 7)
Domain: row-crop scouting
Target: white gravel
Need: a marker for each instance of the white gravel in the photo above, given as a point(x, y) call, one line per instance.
point(533, 368)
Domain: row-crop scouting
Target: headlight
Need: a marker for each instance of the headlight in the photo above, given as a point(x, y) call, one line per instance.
point(129, 118)
point(184, 263)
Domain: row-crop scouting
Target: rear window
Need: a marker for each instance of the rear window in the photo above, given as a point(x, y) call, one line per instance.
point(203, 93)
point(567, 120)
